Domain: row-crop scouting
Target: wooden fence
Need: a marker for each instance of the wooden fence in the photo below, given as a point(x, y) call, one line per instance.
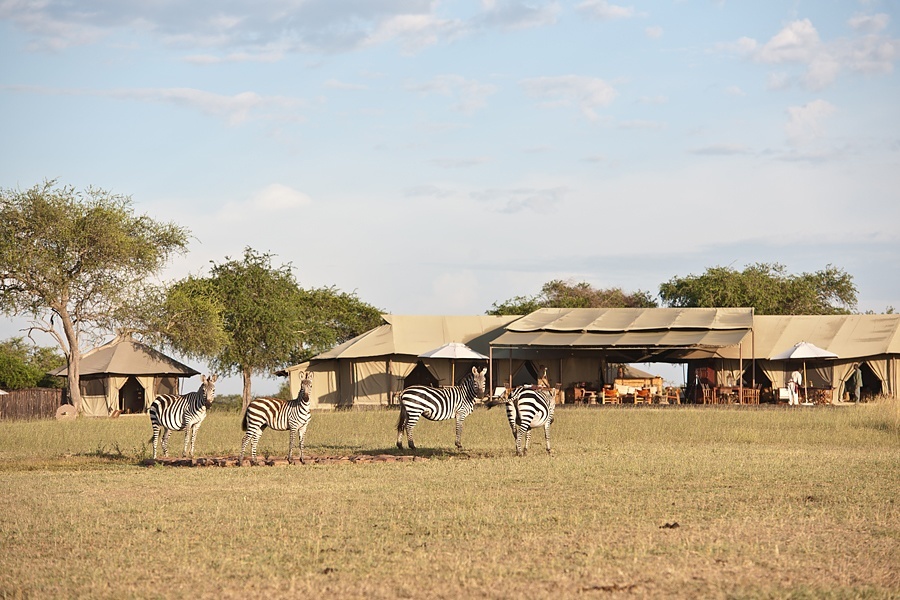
point(31, 403)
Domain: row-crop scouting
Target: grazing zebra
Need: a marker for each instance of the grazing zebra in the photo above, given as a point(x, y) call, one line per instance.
point(527, 409)
point(280, 415)
point(439, 404)
point(181, 413)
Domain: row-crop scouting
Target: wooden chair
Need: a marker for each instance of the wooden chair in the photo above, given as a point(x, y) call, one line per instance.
point(610, 396)
point(642, 396)
point(709, 395)
point(750, 395)
point(672, 396)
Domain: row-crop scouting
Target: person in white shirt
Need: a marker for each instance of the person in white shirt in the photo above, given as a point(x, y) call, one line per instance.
point(794, 388)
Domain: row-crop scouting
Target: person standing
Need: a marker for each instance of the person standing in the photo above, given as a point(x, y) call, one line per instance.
point(857, 383)
point(794, 384)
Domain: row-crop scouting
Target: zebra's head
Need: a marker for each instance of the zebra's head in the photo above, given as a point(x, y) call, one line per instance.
point(208, 389)
point(479, 378)
point(306, 381)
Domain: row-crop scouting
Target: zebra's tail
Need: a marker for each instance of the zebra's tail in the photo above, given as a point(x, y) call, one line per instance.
point(244, 420)
point(403, 419)
point(494, 402)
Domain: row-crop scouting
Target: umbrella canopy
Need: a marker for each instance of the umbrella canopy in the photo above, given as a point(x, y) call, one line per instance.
point(454, 350)
point(803, 350)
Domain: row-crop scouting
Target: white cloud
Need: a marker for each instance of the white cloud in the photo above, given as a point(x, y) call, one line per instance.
point(654, 32)
point(539, 200)
point(798, 43)
point(721, 150)
point(604, 11)
point(235, 109)
point(805, 122)
point(334, 84)
point(735, 90)
point(587, 93)
point(869, 23)
point(778, 81)
point(470, 95)
point(272, 200)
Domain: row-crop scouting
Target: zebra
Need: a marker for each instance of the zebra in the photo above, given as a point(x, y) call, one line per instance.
point(181, 413)
point(280, 415)
point(527, 409)
point(439, 404)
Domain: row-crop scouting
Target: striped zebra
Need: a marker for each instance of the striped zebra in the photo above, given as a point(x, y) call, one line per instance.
point(439, 404)
point(280, 415)
point(527, 409)
point(181, 413)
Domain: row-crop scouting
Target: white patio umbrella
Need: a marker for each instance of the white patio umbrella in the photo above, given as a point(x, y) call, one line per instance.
point(803, 351)
point(454, 351)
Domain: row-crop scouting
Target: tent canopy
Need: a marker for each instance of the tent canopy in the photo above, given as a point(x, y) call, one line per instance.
point(125, 356)
point(629, 329)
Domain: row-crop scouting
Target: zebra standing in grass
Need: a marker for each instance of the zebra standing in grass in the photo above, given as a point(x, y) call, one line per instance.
point(439, 404)
point(181, 413)
point(526, 409)
point(280, 415)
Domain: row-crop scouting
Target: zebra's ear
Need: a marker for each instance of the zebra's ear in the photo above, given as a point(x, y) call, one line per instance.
point(474, 370)
point(484, 371)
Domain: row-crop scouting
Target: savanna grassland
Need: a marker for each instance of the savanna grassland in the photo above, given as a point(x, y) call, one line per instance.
point(665, 502)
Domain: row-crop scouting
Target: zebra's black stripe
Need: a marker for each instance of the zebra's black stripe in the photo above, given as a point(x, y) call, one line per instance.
point(293, 415)
point(181, 413)
point(527, 409)
point(438, 404)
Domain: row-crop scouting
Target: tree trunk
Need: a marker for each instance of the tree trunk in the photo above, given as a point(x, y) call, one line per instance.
point(245, 374)
point(73, 371)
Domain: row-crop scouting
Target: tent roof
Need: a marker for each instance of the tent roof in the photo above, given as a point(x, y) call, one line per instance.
point(126, 356)
point(629, 328)
point(848, 336)
point(415, 334)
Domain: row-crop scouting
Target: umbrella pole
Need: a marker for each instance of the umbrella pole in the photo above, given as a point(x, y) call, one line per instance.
point(453, 372)
point(805, 384)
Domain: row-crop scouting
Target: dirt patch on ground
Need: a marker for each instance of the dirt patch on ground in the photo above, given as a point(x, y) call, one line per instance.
point(232, 461)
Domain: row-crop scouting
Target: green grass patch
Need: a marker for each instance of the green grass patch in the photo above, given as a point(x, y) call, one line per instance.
point(674, 502)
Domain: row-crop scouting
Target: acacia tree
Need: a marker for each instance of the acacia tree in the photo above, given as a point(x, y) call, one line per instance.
point(265, 319)
point(69, 258)
point(768, 288)
point(562, 294)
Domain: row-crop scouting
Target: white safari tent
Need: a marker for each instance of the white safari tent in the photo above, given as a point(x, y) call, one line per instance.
point(371, 368)
point(125, 375)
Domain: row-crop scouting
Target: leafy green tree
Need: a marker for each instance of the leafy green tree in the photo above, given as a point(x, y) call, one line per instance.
point(69, 259)
point(768, 288)
point(257, 317)
point(23, 365)
point(562, 294)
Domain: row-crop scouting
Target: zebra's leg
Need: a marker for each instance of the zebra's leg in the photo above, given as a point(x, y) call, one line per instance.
point(410, 423)
point(301, 433)
point(527, 439)
point(165, 441)
point(155, 439)
point(547, 435)
point(253, 444)
point(459, 423)
point(189, 434)
point(519, 436)
point(244, 443)
point(291, 445)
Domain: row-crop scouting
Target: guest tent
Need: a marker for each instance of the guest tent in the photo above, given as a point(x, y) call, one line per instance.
point(371, 369)
point(125, 375)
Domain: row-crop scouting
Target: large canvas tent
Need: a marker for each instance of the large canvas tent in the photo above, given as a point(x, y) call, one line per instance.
point(371, 368)
point(125, 375)
point(581, 345)
point(869, 340)
point(578, 344)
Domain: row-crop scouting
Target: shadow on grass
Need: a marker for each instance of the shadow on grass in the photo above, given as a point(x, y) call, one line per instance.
point(439, 453)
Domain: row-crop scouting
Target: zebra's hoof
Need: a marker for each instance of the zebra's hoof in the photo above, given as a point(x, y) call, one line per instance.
point(400, 445)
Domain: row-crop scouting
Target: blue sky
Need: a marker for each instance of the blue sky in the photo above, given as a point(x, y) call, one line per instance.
point(436, 157)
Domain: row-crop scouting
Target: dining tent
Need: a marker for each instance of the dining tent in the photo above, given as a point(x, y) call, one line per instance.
point(371, 369)
point(125, 375)
point(872, 340)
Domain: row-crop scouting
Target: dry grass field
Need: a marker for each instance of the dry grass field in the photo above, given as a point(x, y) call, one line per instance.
point(641, 502)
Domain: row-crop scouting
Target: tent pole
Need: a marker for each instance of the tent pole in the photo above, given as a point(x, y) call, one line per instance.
point(741, 370)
